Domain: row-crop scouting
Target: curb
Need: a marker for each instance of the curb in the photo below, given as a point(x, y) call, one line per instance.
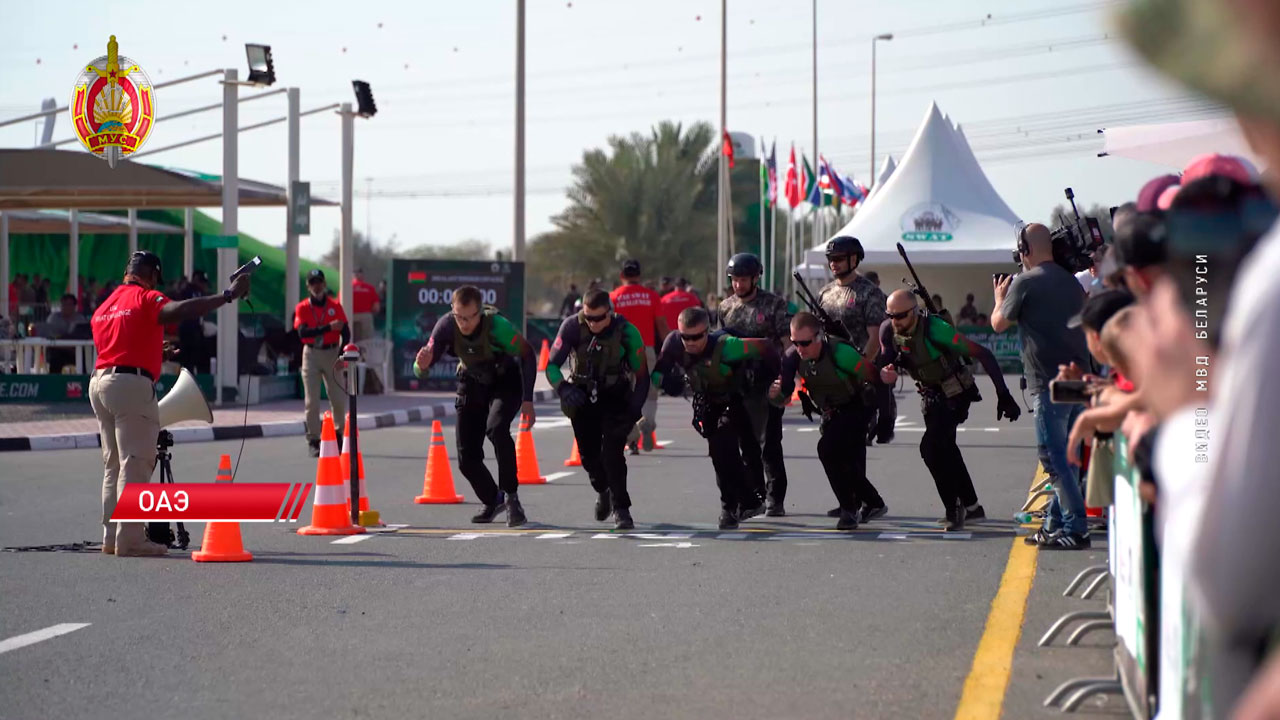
point(235, 432)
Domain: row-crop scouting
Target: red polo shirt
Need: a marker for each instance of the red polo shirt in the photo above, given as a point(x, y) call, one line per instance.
point(363, 296)
point(674, 302)
point(311, 316)
point(127, 329)
point(639, 305)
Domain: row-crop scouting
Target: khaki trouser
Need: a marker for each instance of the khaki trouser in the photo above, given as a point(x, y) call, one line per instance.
point(318, 365)
point(361, 327)
point(129, 424)
point(648, 421)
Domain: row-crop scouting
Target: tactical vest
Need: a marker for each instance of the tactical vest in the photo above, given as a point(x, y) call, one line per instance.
point(828, 386)
point(933, 367)
point(601, 358)
point(708, 376)
point(475, 353)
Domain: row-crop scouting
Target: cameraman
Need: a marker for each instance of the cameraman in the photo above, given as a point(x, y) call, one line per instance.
point(1040, 300)
point(128, 332)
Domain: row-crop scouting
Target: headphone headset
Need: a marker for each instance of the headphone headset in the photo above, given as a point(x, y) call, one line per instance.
point(1022, 241)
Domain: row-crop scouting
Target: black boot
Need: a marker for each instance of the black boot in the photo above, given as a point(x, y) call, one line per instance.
point(975, 513)
point(314, 447)
point(774, 508)
point(515, 511)
point(848, 520)
point(748, 512)
point(728, 520)
point(955, 518)
point(488, 513)
point(604, 505)
point(622, 519)
point(834, 512)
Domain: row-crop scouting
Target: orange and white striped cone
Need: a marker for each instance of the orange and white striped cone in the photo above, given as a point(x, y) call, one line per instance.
point(222, 542)
point(330, 511)
point(368, 518)
point(437, 479)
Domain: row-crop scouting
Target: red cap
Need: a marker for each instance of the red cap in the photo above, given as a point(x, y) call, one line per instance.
point(1230, 166)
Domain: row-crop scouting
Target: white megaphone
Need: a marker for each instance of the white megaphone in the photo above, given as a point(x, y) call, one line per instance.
point(184, 402)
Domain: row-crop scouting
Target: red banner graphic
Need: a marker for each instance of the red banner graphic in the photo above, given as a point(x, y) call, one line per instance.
point(211, 502)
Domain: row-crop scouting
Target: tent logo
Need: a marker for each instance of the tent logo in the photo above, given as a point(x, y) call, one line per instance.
point(929, 222)
point(112, 106)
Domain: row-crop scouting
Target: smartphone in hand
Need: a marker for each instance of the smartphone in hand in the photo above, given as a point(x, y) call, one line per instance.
point(1073, 392)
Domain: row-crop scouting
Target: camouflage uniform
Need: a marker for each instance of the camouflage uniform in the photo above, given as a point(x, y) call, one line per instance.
point(764, 316)
point(859, 305)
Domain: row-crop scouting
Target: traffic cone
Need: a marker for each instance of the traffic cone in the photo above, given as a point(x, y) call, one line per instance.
point(368, 518)
point(222, 541)
point(527, 472)
point(437, 480)
point(330, 513)
point(544, 356)
point(654, 444)
point(575, 460)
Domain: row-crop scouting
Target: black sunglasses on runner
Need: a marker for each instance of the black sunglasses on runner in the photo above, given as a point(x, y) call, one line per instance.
point(595, 318)
point(899, 316)
point(803, 343)
point(693, 338)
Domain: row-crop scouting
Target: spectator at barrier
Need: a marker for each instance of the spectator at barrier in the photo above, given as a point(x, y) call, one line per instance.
point(1141, 252)
point(65, 324)
point(665, 286)
point(675, 302)
point(40, 290)
point(195, 349)
point(1041, 300)
point(969, 312)
point(874, 277)
point(364, 305)
point(1105, 317)
point(943, 312)
point(26, 293)
point(982, 320)
point(570, 300)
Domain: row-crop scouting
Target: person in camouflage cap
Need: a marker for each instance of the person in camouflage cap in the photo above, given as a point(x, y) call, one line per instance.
point(752, 312)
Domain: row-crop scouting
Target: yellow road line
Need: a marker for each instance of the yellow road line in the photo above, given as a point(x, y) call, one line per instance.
point(988, 679)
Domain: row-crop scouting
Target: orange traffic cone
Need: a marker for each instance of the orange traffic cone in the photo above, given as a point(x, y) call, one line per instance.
point(544, 356)
point(575, 460)
point(527, 472)
point(222, 541)
point(329, 511)
point(437, 480)
point(653, 442)
point(368, 518)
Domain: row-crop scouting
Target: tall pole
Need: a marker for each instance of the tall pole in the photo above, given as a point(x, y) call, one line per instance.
point(722, 241)
point(73, 259)
point(773, 246)
point(346, 251)
point(291, 281)
point(133, 230)
point(228, 320)
point(188, 241)
point(518, 240)
point(816, 155)
point(885, 36)
point(4, 264)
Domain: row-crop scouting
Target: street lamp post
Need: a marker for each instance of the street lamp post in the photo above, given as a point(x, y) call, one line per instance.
point(886, 37)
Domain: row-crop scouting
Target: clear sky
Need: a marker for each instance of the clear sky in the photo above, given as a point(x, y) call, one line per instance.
point(1031, 85)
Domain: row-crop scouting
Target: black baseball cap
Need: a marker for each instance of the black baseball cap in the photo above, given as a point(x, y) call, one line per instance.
point(145, 260)
point(316, 275)
point(1143, 242)
point(1099, 307)
point(631, 268)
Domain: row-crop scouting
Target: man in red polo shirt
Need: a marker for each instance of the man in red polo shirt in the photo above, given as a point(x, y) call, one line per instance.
point(642, 307)
point(322, 327)
point(675, 302)
point(364, 305)
point(128, 332)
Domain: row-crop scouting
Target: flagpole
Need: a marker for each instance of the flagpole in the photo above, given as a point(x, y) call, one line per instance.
point(722, 220)
point(764, 197)
point(773, 246)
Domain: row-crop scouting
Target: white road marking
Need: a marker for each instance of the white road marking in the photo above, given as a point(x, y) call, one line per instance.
point(605, 536)
point(891, 536)
point(553, 423)
point(807, 430)
point(31, 638)
point(732, 536)
point(553, 536)
point(351, 539)
point(991, 429)
point(956, 536)
point(464, 536)
point(552, 477)
point(671, 544)
point(666, 443)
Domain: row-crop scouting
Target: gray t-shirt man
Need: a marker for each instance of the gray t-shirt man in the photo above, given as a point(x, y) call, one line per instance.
point(1041, 301)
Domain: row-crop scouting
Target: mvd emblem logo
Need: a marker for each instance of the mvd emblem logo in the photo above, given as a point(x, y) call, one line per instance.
point(929, 222)
point(112, 106)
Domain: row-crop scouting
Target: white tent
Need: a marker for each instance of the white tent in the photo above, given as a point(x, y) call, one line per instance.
point(940, 205)
point(1175, 144)
point(886, 169)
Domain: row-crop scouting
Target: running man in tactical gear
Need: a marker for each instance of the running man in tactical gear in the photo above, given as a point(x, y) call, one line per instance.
point(496, 372)
point(713, 364)
point(932, 351)
point(834, 375)
point(603, 396)
point(752, 312)
point(859, 303)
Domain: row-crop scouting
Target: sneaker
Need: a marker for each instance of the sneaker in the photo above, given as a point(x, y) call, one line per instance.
point(146, 549)
point(848, 521)
point(955, 519)
point(604, 505)
point(515, 512)
point(835, 512)
point(488, 513)
point(1041, 537)
point(635, 448)
point(746, 513)
point(314, 448)
point(622, 519)
point(871, 513)
point(775, 509)
point(885, 439)
point(977, 513)
point(1068, 541)
point(728, 520)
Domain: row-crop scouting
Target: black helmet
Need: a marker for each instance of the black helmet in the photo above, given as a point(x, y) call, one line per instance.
point(745, 265)
point(141, 260)
point(845, 245)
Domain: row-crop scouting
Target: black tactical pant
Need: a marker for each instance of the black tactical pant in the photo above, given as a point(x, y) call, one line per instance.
point(601, 430)
point(939, 450)
point(763, 453)
point(486, 409)
point(882, 416)
point(843, 452)
point(726, 425)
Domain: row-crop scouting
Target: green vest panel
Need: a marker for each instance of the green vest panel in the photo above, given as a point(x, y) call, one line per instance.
point(826, 384)
point(475, 352)
point(709, 376)
point(600, 357)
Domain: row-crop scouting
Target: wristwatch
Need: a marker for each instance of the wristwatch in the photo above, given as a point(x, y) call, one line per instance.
point(226, 295)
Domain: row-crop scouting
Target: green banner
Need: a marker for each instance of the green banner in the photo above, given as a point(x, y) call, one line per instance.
point(1006, 346)
point(219, 241)
point(72, 388)
point(420, 292)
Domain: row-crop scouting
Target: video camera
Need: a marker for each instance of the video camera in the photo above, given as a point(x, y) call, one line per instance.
point(1073, 242)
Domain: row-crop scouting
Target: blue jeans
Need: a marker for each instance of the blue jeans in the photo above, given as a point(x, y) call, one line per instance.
point(1053, 425)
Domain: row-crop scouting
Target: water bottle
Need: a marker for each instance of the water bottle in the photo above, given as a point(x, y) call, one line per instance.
point(282, 365)
point(1024, 518)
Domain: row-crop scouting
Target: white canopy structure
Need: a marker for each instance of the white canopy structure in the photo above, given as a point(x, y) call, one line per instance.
point(1176, 144)
point(886, 169)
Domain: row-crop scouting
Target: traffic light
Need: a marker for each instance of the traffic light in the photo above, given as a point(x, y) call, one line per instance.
point(364, 99)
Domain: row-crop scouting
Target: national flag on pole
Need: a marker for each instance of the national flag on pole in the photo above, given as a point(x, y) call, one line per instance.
point(812, 192)
point(727, 148)
point(417, 277)
point(792, 189)
point(764, 178)
point(773, 172)
point(829, 181)
point(853, 192)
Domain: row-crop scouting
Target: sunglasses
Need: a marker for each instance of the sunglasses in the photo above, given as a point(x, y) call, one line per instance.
point(900, 316)
point(694, 337)
point(836, 258)
point(595, 318)
point(803, 343)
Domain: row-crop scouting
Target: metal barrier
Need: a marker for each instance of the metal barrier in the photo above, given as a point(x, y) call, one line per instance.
point(30, 355)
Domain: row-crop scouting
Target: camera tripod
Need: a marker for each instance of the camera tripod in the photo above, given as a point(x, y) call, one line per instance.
point(159, 532)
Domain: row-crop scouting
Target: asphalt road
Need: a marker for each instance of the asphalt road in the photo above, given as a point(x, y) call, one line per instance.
point(785, 618)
